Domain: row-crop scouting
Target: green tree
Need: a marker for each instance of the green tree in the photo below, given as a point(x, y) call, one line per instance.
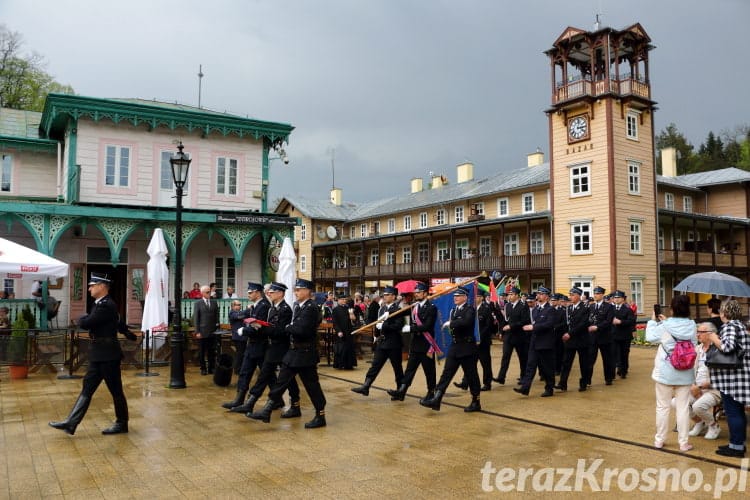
point(24, 83)
point(671, 137)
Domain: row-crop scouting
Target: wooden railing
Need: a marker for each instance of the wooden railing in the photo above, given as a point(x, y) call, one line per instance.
point(584, 87)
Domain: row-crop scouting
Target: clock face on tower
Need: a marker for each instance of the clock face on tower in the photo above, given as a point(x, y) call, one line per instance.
point(578, 128)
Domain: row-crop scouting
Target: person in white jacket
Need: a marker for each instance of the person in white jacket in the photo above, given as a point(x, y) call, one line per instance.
point(703, 397)
point(669, 381)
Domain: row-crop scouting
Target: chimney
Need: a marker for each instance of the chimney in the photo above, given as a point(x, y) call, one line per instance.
point(669, 162)
point(465, 172)
point(416, 185)
point(336, 195)
point(535, 158)
point(438, 181)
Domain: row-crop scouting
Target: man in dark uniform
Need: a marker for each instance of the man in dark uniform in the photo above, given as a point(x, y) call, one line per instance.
point(541, 346)
point(206, 321)
point(301, 358)
point(601, 315)
point(257, 341)
point(388, 342)
point(623, 326)
point(487, 329)
point(556, 301)
point(423, 317)
point(514, 338)
point(343, 319)
point(577, 340)
point(463, 352)
point(103, 324)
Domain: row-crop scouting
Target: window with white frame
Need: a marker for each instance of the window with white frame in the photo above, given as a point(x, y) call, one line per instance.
point(669, 201)
point(458, 215)
point(631, 125)
point(423, 251)
point(302, 263)
point(363, 230)
point(636, 293)
point(634, 177)
point(165, 173)
point(580, 238)
point(376, 228)
point(536, 283)
point(117, 166)
point(9, 286)
point(390, 256)
point(537, 242)
point(6, 175)
point(440, 217)
point(443, 252)
point(687, 204)
point(579, 180)
point(510, 244)
point(485, 246)
point(224, 274)
point(528, 203)
point(422, 220)
point(662, 291)
point(690, 237)
point(462, 248)
point(352, 232)
point(678, 240)
point(407, 222)
point(503, 207)
point(478, 208)
point(661, 238)
point(586, 286)
point(391, 226)
point(374, 257)
point(406, 255)
point(303, 232)
point(226, 176)
point(635, 237)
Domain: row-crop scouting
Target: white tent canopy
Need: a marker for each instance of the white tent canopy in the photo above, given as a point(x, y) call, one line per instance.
point(20, 262)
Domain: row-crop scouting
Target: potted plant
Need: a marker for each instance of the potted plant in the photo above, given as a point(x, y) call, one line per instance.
point(18, 346)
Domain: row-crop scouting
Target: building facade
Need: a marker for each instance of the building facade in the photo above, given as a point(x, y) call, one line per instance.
point(88, 179)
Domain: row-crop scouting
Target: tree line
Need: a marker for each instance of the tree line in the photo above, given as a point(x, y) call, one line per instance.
point(731, 148)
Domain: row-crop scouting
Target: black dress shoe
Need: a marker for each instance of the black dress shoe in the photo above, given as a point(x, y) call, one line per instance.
point(461, 386)
point(547, 394)
point(500, 381)
point(204, 372)
point(582, 389)
point(561, 388)
point(730, 452)
point(608, 382)
point(486, 387)
point(117, 428)
point(521, 390)
point(624, 375)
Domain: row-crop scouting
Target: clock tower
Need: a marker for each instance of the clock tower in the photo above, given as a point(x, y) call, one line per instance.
point(602, 177)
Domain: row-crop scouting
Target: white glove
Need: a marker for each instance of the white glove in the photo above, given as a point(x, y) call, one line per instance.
point(406, 329)
point(239, 332)
point(383, 317)
point(379, 326)
point(446, 324)
point(341, 334)
point(255, 326)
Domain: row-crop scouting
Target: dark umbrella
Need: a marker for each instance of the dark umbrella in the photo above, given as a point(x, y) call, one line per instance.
point(715, 283)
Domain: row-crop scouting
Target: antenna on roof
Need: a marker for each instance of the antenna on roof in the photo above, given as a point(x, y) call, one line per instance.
point(200, 78)
point(597, 24)
point(333, 167)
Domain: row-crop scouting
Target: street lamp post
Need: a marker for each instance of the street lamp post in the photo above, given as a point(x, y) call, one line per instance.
point(180, 163)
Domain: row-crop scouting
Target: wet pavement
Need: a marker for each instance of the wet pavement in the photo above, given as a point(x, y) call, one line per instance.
point(182, 444)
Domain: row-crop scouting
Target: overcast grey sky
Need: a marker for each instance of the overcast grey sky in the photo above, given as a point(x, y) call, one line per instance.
point(397, 87)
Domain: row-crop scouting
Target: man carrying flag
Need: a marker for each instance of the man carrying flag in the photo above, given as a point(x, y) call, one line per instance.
point(422, 346)
point(463, 352)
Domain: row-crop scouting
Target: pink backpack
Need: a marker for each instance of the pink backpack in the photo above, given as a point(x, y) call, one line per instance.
point(683, 355)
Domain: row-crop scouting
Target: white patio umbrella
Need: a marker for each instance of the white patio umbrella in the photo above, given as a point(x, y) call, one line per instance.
point(287, 273)
point(156, 305)
point(20, 262)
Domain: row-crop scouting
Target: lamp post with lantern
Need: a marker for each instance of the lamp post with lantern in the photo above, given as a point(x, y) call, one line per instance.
point(180, 163)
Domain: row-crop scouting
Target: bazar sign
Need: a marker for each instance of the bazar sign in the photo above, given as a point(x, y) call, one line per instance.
point(256, 219)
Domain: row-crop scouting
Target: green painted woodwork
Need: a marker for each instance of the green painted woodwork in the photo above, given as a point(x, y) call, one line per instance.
point(25, 144)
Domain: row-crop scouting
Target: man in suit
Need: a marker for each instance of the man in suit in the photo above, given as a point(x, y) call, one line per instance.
point(623, 327)
point(301, 358)
point(514, 337)
point(105, 355)
point(542, 345)
point(206, 321)
point(556, 301)
point(601, 314)
point(343, 319)
point(388, 342)
point(462, 353)
point(423, 317)
point(487, 329)
point(577, 340)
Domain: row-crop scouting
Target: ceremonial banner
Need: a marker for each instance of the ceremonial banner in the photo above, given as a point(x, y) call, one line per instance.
point(444, 305)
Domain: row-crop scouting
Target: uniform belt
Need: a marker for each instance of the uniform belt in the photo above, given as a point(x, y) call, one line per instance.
point(104, 340)
point(463, 340)
point(301, 345)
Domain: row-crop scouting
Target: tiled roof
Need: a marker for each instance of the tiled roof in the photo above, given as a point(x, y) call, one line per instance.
point(713, 177)
point(19, 123)
point(498, 183)
point(171, 105)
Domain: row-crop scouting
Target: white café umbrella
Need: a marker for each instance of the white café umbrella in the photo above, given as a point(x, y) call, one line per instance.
point(287, 273)
point(20, 262)
point(156, 305)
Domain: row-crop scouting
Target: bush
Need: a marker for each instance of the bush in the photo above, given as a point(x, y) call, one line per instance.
point(18, 342)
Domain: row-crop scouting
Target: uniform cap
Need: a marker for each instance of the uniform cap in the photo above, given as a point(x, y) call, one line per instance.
point(254, 287)
point(278, 287)
point(301, 283)
point(97, 278)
